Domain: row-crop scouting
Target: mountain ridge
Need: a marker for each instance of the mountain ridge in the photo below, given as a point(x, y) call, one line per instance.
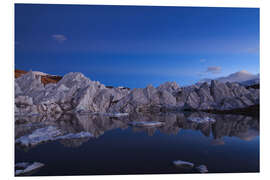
point(239, 77)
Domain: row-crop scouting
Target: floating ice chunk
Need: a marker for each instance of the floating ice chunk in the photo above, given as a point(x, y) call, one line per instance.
point(146, 123)
point(22, 165)
point(33, 166)
point(183, 164)
point(49, 133)
point(75, 136)
point(39, 136)
point(201, 119)
point(27, 167)
point(202, 168)
point(18, 172)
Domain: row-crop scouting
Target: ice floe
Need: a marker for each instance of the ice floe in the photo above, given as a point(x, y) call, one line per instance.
point(184, 164)
point(26, 167)
point(75, 135)
point(202, 168)
point(49, 133)
point(146, 123)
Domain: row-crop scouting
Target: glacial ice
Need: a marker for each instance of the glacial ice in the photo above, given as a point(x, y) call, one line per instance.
point(26, 167)
point(184, 164)
point(202, 168)
point(146, 123)
point(49, 133)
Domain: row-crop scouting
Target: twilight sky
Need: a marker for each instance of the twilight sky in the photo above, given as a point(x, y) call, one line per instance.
point(136, 46)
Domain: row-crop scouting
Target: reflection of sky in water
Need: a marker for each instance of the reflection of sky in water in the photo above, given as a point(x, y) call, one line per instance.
point(229, 145)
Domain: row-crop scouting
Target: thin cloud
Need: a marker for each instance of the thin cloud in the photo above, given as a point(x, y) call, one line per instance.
point(213, 69)
point(201, 73)
point(59, 37)
point(202, 60)
point(253, 50)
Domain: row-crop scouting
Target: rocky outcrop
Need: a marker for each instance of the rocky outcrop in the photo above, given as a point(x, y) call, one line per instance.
point(144, 100)
point(171, 87)
point(76, 93)
point(45, 78)
point(217, 96)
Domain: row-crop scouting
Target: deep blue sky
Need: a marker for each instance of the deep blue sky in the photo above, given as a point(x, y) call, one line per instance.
point(136, 46)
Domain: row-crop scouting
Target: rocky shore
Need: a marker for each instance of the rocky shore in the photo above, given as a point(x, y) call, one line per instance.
point(76, 93)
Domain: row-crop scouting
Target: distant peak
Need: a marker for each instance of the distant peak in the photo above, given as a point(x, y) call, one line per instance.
point(243, 72)
point(239, 76)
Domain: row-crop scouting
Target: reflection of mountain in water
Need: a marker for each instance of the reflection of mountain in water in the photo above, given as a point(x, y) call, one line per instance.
point(243, 127)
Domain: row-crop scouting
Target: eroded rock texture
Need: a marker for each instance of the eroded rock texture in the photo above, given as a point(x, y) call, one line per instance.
point(76, 93)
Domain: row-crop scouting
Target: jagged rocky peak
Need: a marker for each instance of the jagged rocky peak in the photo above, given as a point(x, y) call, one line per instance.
point(28, 83)
point(77, 79)
point(171, 87)
point(219, 90)
point(147, 99)
point(75, 92)
point(239, 77)
point(216, 96)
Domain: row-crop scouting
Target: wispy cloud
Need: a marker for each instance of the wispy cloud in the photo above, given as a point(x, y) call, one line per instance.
point(213, 69)
point(201, 73)
point(210, 70)
point(59, 37)
point(253, 50)
point(202, 60)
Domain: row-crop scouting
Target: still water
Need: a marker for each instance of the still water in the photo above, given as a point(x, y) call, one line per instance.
point(230, 144)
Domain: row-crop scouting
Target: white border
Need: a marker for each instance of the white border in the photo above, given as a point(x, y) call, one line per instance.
point(7, 79)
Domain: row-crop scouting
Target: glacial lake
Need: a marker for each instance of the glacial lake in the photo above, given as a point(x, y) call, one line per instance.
point(228, 145)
